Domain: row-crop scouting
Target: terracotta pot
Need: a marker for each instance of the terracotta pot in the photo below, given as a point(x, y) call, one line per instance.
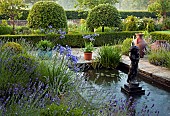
point(87, 55)
point(141, 43)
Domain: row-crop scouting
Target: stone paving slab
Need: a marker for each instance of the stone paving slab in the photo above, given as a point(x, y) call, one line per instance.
point(156, 73)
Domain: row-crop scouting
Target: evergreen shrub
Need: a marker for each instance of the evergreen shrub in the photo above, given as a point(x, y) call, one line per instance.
point(166, 24)
point(160, 35)
point(103, 15)
point(130, 23)
point(5, 30)
point(47, 13)
point(126, 46)
point(16, 69)
point(12, 47)
point(74, 40)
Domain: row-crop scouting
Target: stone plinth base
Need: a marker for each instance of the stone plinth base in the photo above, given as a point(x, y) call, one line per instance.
point(132, 89)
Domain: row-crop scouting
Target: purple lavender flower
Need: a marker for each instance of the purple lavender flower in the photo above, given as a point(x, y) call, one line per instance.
point(74, 58)
point(62, 50)
point(50, 26)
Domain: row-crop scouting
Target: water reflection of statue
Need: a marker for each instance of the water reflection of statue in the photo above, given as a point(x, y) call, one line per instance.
point(134, 57)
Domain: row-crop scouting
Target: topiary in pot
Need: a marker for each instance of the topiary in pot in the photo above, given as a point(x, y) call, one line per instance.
point(47, 13)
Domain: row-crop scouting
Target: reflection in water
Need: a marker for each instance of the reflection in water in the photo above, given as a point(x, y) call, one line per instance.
point(106, 77)
point(103, 85)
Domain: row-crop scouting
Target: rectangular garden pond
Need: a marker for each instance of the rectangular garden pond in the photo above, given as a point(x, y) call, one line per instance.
point(102, 86)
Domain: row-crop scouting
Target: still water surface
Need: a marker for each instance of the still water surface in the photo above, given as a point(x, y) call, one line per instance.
point(104, 84)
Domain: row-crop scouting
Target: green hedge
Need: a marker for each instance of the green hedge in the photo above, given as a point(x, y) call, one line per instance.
point(160, 36)
point(76, 15)
point(74, 40)
point(140, 14)
point(71, 14)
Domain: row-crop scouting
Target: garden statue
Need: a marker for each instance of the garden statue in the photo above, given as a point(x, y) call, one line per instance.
point(141, 44)
point(134, 57)
point(133, 88)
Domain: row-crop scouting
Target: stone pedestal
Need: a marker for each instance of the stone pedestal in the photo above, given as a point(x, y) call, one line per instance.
point(132, 89)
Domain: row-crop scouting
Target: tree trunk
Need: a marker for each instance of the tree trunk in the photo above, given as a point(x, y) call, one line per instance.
point(91, 29)
point(102, 28)
point(13, 25)
point(164, 14)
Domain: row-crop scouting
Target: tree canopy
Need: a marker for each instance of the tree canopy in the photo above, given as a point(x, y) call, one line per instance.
point(103, 15)
point(160, 6)
point(83, 4)
point(12, 8)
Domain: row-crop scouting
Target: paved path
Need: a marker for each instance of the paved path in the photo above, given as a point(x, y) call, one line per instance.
point(158, 74)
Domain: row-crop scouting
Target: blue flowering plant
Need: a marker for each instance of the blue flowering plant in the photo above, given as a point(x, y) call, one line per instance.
point(89, 46)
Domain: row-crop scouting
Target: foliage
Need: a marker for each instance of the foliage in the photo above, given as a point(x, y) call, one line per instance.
point(160, 6)
point(74, 40)
point(37, 96)
point(4, 23)
point(160, 35)
point(47, 13)
point(60, 110)
point(84, 4)
point(147, 24)
point(103, 15)
point(60, 69)
point(12, 47)
point(126, 46)
point(23, 30)
point(159, 58)
point(130, 23)
point(44, 45)
point(12, 8)
point(72, 14)
point(5, 30)
point(89, 47)
point(106, 29)
point(16, 69)
point(109, 56)
point(166, 23)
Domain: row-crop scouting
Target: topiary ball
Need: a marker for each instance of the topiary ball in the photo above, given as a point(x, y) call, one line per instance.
point(12, 47)
point(103, 15)
point(45, 14)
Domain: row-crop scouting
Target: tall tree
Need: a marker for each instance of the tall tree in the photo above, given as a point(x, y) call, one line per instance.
point(140, 4)
point(161, 7)
point(89, 4)
point(12, 8)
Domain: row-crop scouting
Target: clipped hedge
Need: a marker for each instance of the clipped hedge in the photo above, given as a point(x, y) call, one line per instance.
point(160, 36)
point(140, 14)
point(5, 30)
point(72, 14)
point(74, 40)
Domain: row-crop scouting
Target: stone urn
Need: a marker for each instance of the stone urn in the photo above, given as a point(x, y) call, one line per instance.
point(141, 44)
point(159, 44)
